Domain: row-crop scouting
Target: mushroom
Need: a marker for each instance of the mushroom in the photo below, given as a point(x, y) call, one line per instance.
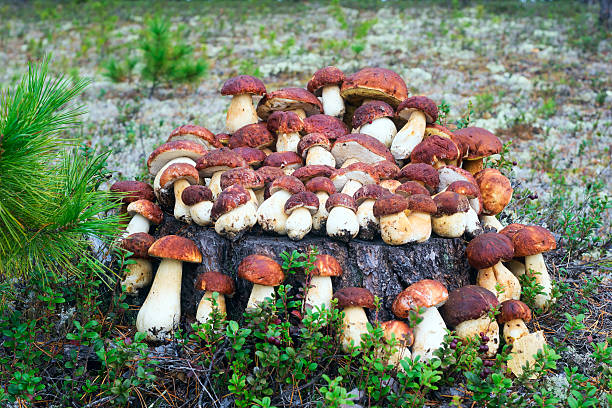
point(268, 175)
point(352, 300)
point(199, 199)
point(417, 111)
point(131, 191)
point(330, 126)
point(436, 151)
point(241, 111)
point(387, 172)
point(288, 161)
point(486, 253)
point(342, 222)
point(315, 148)
point(450, 219)
point(287, 126)
point(196, 134)
point(422, 173)
point(467, 311)
point(213, 282)
point(402, 334)
point(139, 273)
point(433, 129)
point(429, 334)
point(496, 193)
point(370, 84)
point(297, 100)
point(160, 313)
point(403, 220)
point(481, 143)
point(247, 178)
point(320, 291)
point(365, 198)
point(372, 119)
point(471, 192)
point(449, 174)
point(144, 213)
point(300, 207)
point(530, 241)
point(361, 148)
point(513, 314)
point(326, 84)
point(222, 138)
point(323, 188)
point(253, 157)
point(411, 188)
point(233, 212)
point(213, 163)
point(270, 214)
point(356, 175)
point(265, 273)
point(179, 176)
point(524, 351)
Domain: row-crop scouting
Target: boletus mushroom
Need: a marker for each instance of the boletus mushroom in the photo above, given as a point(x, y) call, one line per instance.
point(265, 274)
point(144, 213)
point(342, 222)
point(241, 111)
point(139, 273)
point(326, 84)
point(402, 334)
point(417, 111)
point(213, 282)
point(320, 291)
point(300, 207)
point(352, 300)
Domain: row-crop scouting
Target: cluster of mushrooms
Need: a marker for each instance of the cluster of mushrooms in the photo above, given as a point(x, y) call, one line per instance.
point(348, 157)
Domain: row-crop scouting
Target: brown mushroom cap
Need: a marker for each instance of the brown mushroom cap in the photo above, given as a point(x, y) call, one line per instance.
point(362, 147)
point(196, 194)
point(340, 200)
point(283, 159)
point(321, 184)
point(172, 150)
point(495, 190)
point(195, 133)
point(312, 140)
point(450, 203)
point(488, 249)
point(369, 192)
point(422, 294)
point(464, 188)
point(304, 199)
point(326, 265)
point(418, 103)
point(467, 303)
point(354, 297)
point(422, 203)
point(462, 172)
point(324, 77)
point(254, 157)
point(530, 239)
point(269, 173)
point(229, 199)
point(511, 229)
point(214, 281)
point(133, 190)
point(175, 247)
point(288, 183)
point(254, 135)
point(387, 170)
point(284, 122)
point(261, 270)
point(411, 187)
point(287, 99)
point(481, 143)
point(439, 130)
point(400, 330)
point(147, 209)
point(423, 173)
point(179, 171)
point(222, 138)
point(513, 309)
point(389, 204)
point(374, 83)
point(362, 172)
point(368, 112)
point(243, 84)
point(138, 244)
point(222, 159)
point(434, 149)
point(245, 176)
point(311, 171)
point(330, 126)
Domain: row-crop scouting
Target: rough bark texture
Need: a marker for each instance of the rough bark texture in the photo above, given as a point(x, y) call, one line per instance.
point(385, 270)
point(605, 13)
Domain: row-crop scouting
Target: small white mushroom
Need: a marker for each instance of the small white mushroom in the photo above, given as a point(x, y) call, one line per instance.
point(199, 200)
point(314, 148)
point(213, 282)
point(179, 176)
point(320, 291)
point(265, 273)
point(323, 188)
point(139, 273)
point(326, 84)
point(402, 335)
point(352, 300)
point(450, 219)
point(233, 212)
point(372, 119)
point(144, 213)
point(270, 214)
point(342, 222)
point(300, 207)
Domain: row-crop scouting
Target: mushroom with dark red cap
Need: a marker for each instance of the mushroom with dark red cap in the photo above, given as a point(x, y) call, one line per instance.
point(352, 300)
point(373, 118)
point(365, 197)
point(214, 163)
point(160, 313)
point(403, 220)
point(375, 83)
point(513, 314)
point(233, 212)
point(467, 310)
point(355, 176)
point(436, 151)
point(132, 190)
point(402, 334)
point(144, 213)
point(326, 84)
point(426, 295)
point(297, 100)
point(268, 175)
point(199, 199)
point(530, 241)
point(330, 126)
point(247, 178)
point(315, 150)
point(300, 207)
point(265, 273)
point(359, 148)
point(496, 193)
point(472, 193)
point(287, 127)
point(450, 218)
point(271, 214)
point(196, 134)
point(481, 143)
point(179, 176)
point(320, 290)
point(418, 111)
point(140, 271)
point(288, 161)
point(323, 188)
point(213, 282)
point(254, 157)
point(486, 253)
point(241, 111)
point(387, 172)
point(422, 173)
point(342, 222)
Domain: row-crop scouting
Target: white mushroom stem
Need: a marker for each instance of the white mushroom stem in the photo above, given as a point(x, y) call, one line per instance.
point(200, 213)
point(333, 104)
point(258, 294)
point(205, 308)
point(160, 313)
point(400, 353)
point(498, 274)
point(514, 330)
point(319, 155)
point(354, 324)
point(484, 324)
point(368, 223)
point(351, 187)
point(524, 351)
point(233, 223)
point(536, 267)
point(421, 226)
point(395, 229)
point(299, 223)
point(491, 221)
point(138, 223)
point(429, 334)
point(215, 184)
point(516, 267)
point(342, 223)
point(472, 223)
point(320, 217)
point(409, 136)
point(271, 214)
point(320, 292)
point(300, 112)
point(156, 182)
point(383, 129)
point(287, 142)
point(259, 194)
point(138, 275)
point(449, 226)
point(181, 211)
point(241, 112)
point(348, 162)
